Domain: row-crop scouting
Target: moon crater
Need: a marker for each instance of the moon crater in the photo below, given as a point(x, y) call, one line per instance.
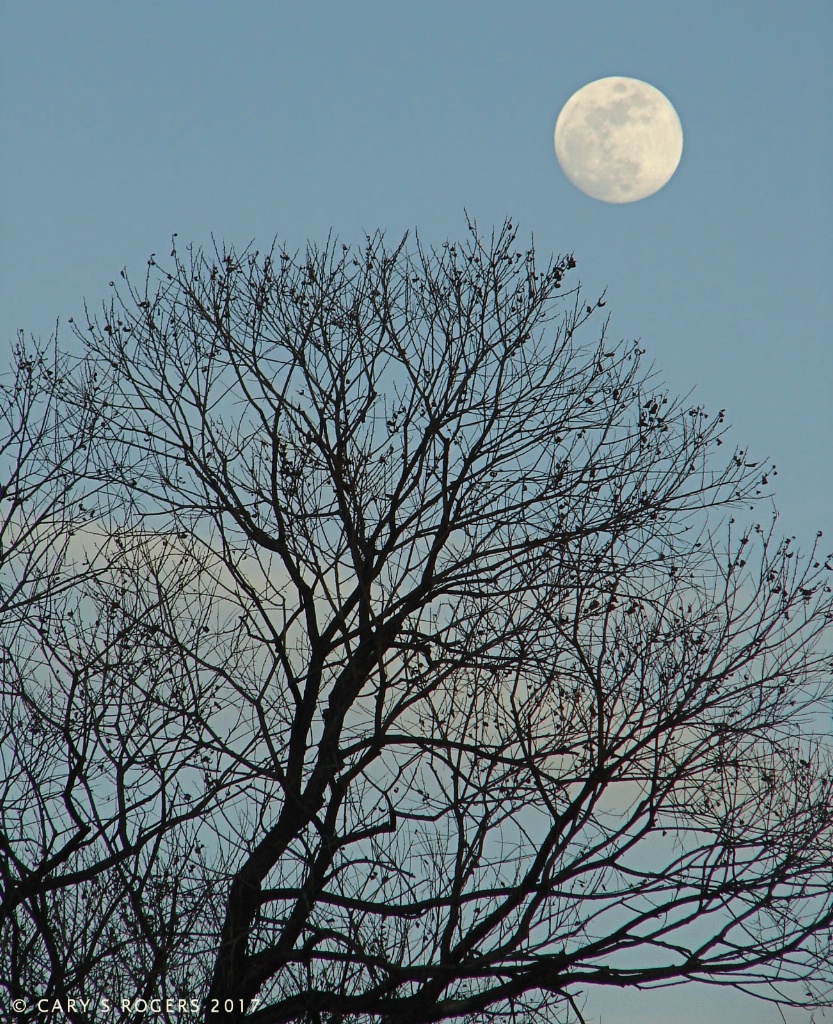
point(618, 139)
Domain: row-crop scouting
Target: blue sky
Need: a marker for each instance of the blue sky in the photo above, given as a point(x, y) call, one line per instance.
point(122, 123)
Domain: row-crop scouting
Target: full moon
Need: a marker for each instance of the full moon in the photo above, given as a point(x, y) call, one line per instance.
point(618, 140)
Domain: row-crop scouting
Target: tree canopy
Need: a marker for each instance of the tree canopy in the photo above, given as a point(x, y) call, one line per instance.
point(376, 648)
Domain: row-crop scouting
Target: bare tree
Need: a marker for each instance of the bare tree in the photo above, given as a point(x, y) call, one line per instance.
point(398, 657)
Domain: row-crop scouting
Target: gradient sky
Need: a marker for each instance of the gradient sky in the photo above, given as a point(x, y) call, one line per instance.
point(123, 122)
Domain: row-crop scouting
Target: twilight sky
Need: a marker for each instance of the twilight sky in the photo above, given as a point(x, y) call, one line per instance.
point(121, 123)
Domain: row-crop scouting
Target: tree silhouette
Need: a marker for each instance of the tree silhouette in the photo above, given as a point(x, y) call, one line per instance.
point(376, 650)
